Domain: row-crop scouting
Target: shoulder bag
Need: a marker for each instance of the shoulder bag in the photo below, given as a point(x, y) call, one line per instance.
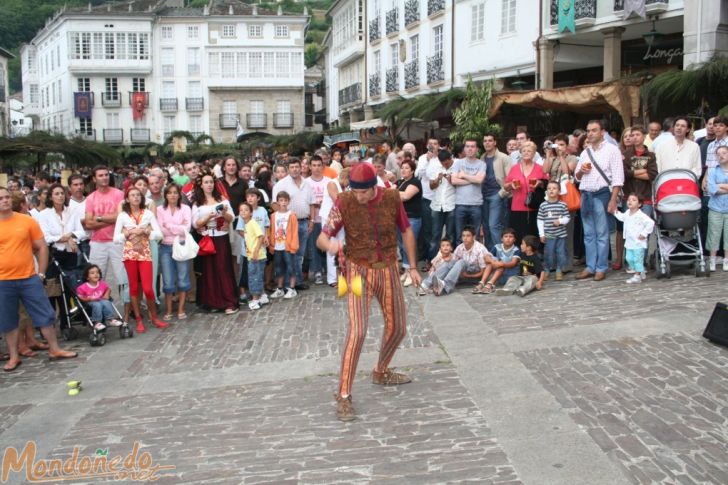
point(186, 251)
point(535, 197)
point(206, 246)
point(604, 176)
point(569, 194)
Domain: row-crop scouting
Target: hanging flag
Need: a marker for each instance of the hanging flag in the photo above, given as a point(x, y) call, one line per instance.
point(82, 104)
point(240, 131)
point(566, 16)
point(634, 6)
point(138, 100)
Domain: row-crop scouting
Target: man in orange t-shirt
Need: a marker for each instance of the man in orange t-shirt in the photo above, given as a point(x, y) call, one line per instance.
point(20, 237)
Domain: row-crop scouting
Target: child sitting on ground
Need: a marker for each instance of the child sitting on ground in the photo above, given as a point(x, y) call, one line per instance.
point(470, 262)
point(283, 240)
point(637, 228)
point(502, 265)
point(96, 294)
point(553, 216)
point(444, 259)
point(532, 273)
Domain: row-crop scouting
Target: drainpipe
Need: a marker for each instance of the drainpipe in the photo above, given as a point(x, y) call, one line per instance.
point(452, 45)
point(537, 78)
point(700, 30)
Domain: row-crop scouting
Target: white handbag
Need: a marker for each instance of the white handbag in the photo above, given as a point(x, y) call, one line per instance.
point(186, 251)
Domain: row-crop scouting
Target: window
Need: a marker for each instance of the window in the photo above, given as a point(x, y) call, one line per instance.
point(58, 56)
point(81, 46)
point(193, 61)
point(132, 45)
point(283, 106)
point(230, 107)
point(60, 122)
point(477, 22)
point(97, 45)
point(228, 31)
point(242, 64)
point(167, 32)
point(53, 95)
point(84, 84)
point(112, 120)
point(296, 64)
point(34, 93)
point(228, 64)
point(112, 87)
point(257, 107)
point(31, 60)
point(167, 56)
point(268, 64)
point(195, 124)
point(281, 31)
point(169, 124)
point(86, 126)
point(193, 32)
point(415, 47)
point(168, 89)
point(255, 66)
point(377, 61)
point(109, 45)
point(255, 31)
point(143, 46)
point(437, 41)
point(213, 59)
point(282, 64)
point(58, 86)
point(194, 89)
point(508, 16)
point(138, 84)
point(394, 54)
point(121, 47)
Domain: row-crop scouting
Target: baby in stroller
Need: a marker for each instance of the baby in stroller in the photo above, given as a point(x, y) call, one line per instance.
point(95, 293)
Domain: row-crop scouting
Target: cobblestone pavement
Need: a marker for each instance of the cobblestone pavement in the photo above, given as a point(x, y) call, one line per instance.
point(583, 382)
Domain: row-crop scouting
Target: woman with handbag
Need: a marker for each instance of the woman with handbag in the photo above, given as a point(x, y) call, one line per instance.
point(175, 220)
point(560, 168)
point(211, 216)
point(526, 181)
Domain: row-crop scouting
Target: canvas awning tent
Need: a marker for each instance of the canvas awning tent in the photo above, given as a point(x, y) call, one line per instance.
point(622, 96)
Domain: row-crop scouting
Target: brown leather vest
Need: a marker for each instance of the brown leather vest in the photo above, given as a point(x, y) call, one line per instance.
point(371, 230)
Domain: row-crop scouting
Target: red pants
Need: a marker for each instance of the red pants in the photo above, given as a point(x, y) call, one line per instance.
point(136, 270)
point(385, 285)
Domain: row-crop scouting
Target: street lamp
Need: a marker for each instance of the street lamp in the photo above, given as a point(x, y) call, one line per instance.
point(653, 36)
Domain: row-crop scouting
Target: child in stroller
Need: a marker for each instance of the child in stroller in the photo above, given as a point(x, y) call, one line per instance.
point(96, 294)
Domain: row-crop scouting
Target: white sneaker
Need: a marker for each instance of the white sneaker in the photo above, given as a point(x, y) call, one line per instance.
point(636, 278)
point(725, 264)
point(318, 279)
point(99, 326)
point(403, 276)
point(264, 299)
point(643, 276)
point(254, 305)
point(712, 264)
point(278, 293)
point(290, 293)
point(115, 323)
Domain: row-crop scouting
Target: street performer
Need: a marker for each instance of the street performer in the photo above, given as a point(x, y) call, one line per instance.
point(370, 216)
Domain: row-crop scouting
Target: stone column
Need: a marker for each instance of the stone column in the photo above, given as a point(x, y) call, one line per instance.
point(705, 31)
point(546, 60)
point(612, 53)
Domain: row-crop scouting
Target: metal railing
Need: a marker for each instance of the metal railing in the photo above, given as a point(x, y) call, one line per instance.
point(168, 104)
point(257, 120)
point(350, 94)
point(411, 11)
point(392, 84)
point(412, 74)
point(282, 120)
point(434, 6)
point(375, 84)
point(229, 120)
point(619, 4)
point(374, 33)
point(113, 135)
point(111, 99)
point(392, 20)
point(88, 135)
point(195, 104)
point(435, 70)
point(583, 9)
point(140, 135)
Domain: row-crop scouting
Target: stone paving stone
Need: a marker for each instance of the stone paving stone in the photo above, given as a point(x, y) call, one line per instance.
point(428, 431)
point(9, 415)
point(39, 370)
point(312, 326)
point(572, 303)
point(657, 405)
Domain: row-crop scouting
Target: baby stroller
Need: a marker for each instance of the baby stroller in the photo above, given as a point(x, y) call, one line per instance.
point(76, 313)
point(677, 204)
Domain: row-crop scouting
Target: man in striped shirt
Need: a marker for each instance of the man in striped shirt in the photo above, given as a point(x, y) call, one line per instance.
point(599, 193)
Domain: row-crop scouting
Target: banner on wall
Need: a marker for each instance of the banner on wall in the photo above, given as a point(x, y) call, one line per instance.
point(634, 6)
point(82, 104)
point(567, 16)
point(138, 102)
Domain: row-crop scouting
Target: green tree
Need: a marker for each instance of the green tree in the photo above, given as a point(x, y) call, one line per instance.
point(311, 54)
point(471, 117)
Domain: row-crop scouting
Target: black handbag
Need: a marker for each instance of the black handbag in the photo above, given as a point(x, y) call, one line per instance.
point(535, 198)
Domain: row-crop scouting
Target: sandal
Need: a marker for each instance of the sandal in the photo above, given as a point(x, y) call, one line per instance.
point(181, 316)
point(10, 368)
point(27, 352)
point(39, 346)
point(478, 288)
point(167, 316)
point(63, 354)
point(488, 289)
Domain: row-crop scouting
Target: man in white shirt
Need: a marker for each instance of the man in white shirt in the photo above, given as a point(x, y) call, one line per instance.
point(664, 136)
point(442, 206)
point(77, 203)
point(433, 148)
point(318, 184)
point(679, 152)
point(302, 205)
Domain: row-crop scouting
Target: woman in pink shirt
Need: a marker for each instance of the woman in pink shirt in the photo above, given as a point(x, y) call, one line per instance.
point(175, 219)
point(523, 178)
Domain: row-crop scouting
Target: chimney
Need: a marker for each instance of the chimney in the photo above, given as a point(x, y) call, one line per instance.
point(230, 10)
point(255, 10)
point(206, 10)
point(280, 10)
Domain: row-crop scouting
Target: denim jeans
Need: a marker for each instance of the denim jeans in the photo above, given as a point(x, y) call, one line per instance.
point(492, 218)
point(101, 310)
point(255, 276)
point(31, 292)
point(439, 219)
point(176, 274)
point(596, 229)
point(425, 234)
point(315, 255)
point(440, 272)
point(554, 254)
point(416, 225)
point(466, 215)
point(283, 262)
point(302, 241)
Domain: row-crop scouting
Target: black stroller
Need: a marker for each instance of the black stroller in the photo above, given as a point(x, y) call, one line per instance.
point(76, 313)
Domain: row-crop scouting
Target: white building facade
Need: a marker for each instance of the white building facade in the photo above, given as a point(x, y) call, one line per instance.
point(5, 56)
point(150, 68)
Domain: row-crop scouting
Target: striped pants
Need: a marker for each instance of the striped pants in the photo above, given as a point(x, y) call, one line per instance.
point(385, 285)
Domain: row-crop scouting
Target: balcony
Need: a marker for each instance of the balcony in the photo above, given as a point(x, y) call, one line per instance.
point(411, 12)
point(392, 21)
point(111, 99)
point(114, 136)
point(167, 104)
point(374, 33)
point(195, 104)
point(193, 69)
point(375, 85)
point(350, 94)
point(392, 79)
point(435, 6)
point(140, 135)
point(88, 135)
point(651, 6)
point(229, 120)
point(412, 74)
point(585, 12)
point(257, 121)
point(282, 120)
point(146, 97)
point(435, 69)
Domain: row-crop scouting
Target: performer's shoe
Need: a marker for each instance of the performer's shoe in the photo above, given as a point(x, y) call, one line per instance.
point(344, 408)
point(389, 378)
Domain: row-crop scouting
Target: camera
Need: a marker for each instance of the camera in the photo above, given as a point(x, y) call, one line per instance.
point(548, 145)
point(218, 208)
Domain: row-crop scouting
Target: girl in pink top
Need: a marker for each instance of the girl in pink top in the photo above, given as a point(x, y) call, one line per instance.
point(96, 293)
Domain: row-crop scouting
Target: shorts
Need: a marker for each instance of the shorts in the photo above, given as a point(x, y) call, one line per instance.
point(31, 292)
